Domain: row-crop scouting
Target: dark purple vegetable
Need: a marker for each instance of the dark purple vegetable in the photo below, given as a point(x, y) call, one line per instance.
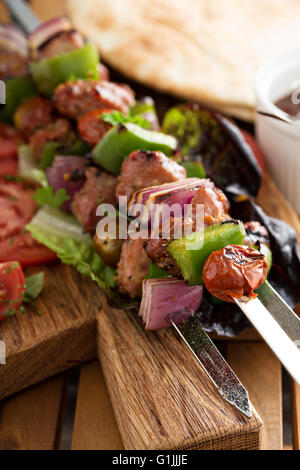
point(165, 296)
point(67, 173)
point(210, 137)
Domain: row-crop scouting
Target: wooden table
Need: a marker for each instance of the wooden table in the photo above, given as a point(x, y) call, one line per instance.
point(37, 418)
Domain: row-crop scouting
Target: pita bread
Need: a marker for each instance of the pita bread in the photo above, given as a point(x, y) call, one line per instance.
point(197, 49)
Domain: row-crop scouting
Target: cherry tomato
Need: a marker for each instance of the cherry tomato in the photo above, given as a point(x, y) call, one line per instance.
point(255, 148)
point(234, 272)
point(92, 128)
point(12, 288)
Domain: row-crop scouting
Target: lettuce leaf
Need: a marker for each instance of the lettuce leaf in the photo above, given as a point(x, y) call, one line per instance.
point(29, 167)
point(63, 234)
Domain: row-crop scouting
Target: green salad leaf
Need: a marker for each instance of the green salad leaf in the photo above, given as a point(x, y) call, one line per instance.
point(63, 234)
point(45, 196)
point(34, 286)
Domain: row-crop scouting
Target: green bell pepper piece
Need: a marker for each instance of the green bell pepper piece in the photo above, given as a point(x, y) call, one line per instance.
point(143, 106)
point(154, 272)
point(79, 147)
point(18, 89)
point(194, 169)
point(191, 251)
point(123, 139)
point(81, 63)
point(265, 250)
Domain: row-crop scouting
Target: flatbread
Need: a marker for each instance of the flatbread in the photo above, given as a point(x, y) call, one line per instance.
point(206, 50)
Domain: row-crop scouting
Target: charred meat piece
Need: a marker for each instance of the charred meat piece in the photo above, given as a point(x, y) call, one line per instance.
point(143, 169)
point(156, 248)
point(12, 65)
point(256, 233)
point(57, 131)
point(216, 208)
point(74, 99)
point(133, 267)
point(91, 127)
point(98, 187)
point(62, 43)
point(157, 251)
point(33, 113)
point(216, 205)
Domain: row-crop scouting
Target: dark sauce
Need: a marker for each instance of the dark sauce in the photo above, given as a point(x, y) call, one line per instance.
point(286, 104)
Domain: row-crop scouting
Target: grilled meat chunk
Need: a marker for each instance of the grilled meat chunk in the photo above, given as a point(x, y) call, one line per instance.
point(99, 186)
point(143, 169)
point(216, 205)
point(12, 65)
point(133, 267)
point(216, 208)
point(156, 248)
point(33, 113)
point(62, 43)
point(57, 131)
point(74, 99)
point(91, 127)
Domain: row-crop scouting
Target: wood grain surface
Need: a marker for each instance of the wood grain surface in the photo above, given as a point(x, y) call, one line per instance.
point(61, 336)
point(296, 415)
point(260, 371)
point(95, 426)
point(29, 421)
point(162, 399)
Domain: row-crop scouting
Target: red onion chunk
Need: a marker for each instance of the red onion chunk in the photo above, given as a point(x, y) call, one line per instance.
point(180, 192)
point(162, 297)
point(12, 39)
point(47, 30)
point(67, 173)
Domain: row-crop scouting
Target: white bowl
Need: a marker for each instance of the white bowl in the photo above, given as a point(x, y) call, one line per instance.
point(280, 141)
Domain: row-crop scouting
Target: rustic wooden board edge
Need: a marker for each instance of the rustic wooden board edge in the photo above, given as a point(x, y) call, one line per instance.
point(170, 404)
point(67, 349)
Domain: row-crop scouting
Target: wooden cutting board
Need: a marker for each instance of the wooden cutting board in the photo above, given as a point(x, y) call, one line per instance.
point(64, 334)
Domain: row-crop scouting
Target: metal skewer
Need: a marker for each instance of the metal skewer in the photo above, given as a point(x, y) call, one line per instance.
point(274, 335)
point(213, 363)
point(22, 15)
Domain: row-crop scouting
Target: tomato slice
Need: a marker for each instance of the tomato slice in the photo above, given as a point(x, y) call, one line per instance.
point(9, 141)
point(255, 148)
point(25, 249)
point(12, 288)
point(16, 210)
point(8, 167)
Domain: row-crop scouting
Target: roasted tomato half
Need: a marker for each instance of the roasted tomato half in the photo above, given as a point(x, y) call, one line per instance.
point(234, 272)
